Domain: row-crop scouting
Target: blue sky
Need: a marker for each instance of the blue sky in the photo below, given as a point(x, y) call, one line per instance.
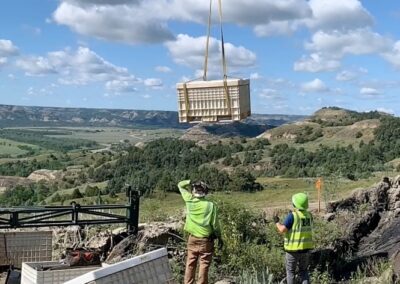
point(300, 55)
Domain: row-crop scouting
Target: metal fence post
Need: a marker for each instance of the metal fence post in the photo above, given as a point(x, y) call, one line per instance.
point(133, 210)
point(14, 221)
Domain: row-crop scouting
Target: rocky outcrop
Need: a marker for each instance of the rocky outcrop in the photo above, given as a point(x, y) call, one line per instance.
point(373, 228)
point(211, 132)
point(11, 181)
point(46, 175)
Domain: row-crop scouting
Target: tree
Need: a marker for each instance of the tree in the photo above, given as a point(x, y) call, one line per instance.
point(92, 191)
point(243, 181)
point(76, 194)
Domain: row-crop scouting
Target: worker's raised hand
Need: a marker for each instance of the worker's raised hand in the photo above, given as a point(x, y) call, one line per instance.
point(276, 219)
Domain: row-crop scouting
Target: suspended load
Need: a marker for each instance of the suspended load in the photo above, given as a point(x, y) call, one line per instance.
point(213, 101)
point(217, 100)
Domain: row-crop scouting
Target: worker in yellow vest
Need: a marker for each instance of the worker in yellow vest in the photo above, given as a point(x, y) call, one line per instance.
point(202, 224)
point(297, 228)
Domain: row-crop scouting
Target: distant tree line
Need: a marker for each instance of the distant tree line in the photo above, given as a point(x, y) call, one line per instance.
point(344, 161)
point(350, 118)
point(161, 164)
point(24, 168)
point(42, 139)
point(308, 134)
point(27, 195)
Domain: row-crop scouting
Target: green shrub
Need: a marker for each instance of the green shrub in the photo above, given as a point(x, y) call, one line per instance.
point(256, 277)
point(248, 242)
point(319, 276)
point(321, 238)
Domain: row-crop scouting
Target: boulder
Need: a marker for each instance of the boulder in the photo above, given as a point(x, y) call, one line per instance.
point(377, 197)
point(372, 220)
point(396, 266)
point(225, 281)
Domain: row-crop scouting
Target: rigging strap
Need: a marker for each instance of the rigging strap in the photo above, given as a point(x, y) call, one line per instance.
point(224, 64)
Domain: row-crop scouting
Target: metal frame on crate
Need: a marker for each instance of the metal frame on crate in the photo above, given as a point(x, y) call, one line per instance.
point(29, 217)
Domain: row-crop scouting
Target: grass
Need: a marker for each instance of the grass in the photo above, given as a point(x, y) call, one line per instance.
point(108, 135)
point(10, 147)
point(81, 188)
point(276, 196)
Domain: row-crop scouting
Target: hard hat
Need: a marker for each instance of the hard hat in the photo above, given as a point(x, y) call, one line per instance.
point(300, 201)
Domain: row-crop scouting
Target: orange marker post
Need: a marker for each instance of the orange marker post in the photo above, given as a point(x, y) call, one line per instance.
point(318, 186)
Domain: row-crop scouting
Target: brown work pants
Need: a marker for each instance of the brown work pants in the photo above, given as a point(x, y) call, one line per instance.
point(198, 249)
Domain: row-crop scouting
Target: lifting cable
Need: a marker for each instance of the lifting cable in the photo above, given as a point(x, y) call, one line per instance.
point(224, 65)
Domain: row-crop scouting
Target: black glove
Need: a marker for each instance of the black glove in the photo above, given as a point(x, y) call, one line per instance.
point(276, 219)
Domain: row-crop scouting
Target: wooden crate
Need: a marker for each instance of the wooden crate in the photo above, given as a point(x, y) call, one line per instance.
point(150, 268)
point(18, 247)
point(213, 101)
point(51, 272)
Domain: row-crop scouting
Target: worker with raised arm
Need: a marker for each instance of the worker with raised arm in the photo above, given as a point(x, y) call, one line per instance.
point(202, 225)
point(297, 228)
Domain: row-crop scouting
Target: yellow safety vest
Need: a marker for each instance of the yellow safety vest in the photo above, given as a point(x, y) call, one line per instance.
point(299, 237)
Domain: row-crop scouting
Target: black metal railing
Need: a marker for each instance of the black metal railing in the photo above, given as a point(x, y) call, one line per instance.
point(75, 214)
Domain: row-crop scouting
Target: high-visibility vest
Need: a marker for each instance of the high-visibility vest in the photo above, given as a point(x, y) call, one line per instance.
point(299, 237)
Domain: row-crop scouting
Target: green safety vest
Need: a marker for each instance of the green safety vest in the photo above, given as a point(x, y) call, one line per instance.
point(299, 237)
point(201, 214)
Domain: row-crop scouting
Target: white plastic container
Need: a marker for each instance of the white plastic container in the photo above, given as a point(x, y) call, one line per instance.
point(32, 272)
point(149, 268)
point(208, 101)
point(19, 247)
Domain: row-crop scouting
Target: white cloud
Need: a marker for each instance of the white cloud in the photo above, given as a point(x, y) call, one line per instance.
point(316, 63)
point(163, 69)
point(256, 12)
point(363, 70)
point(146, 96)
point(36, 66)
point(329, 47)
point(127, 85)
point(279, 82)
point(153, 82)
point(3, 61)
point(103, 2)
point(74, 67)
point(369, 91)
point(326, 15)
point(357, 42)
point(114, 20)
point(393, 56)
point(7, 48)
point(338, 15)
point(255, 76)
point(275, 28)
point(346, 75)
point(189, 51)
point(32, 30)
point(270, 94)
point(314, 86)
point(132, 23)
point(80, 67)
point(386, 110)
point(44, 91)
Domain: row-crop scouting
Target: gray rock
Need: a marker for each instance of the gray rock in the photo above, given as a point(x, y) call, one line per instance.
point(225, 281)
point(396, 266)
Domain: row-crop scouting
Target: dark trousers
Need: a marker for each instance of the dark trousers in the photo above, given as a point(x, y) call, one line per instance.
point(199, 249)
point(300, 260)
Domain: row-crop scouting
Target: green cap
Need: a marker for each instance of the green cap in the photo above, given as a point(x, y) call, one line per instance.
point(300, 201)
